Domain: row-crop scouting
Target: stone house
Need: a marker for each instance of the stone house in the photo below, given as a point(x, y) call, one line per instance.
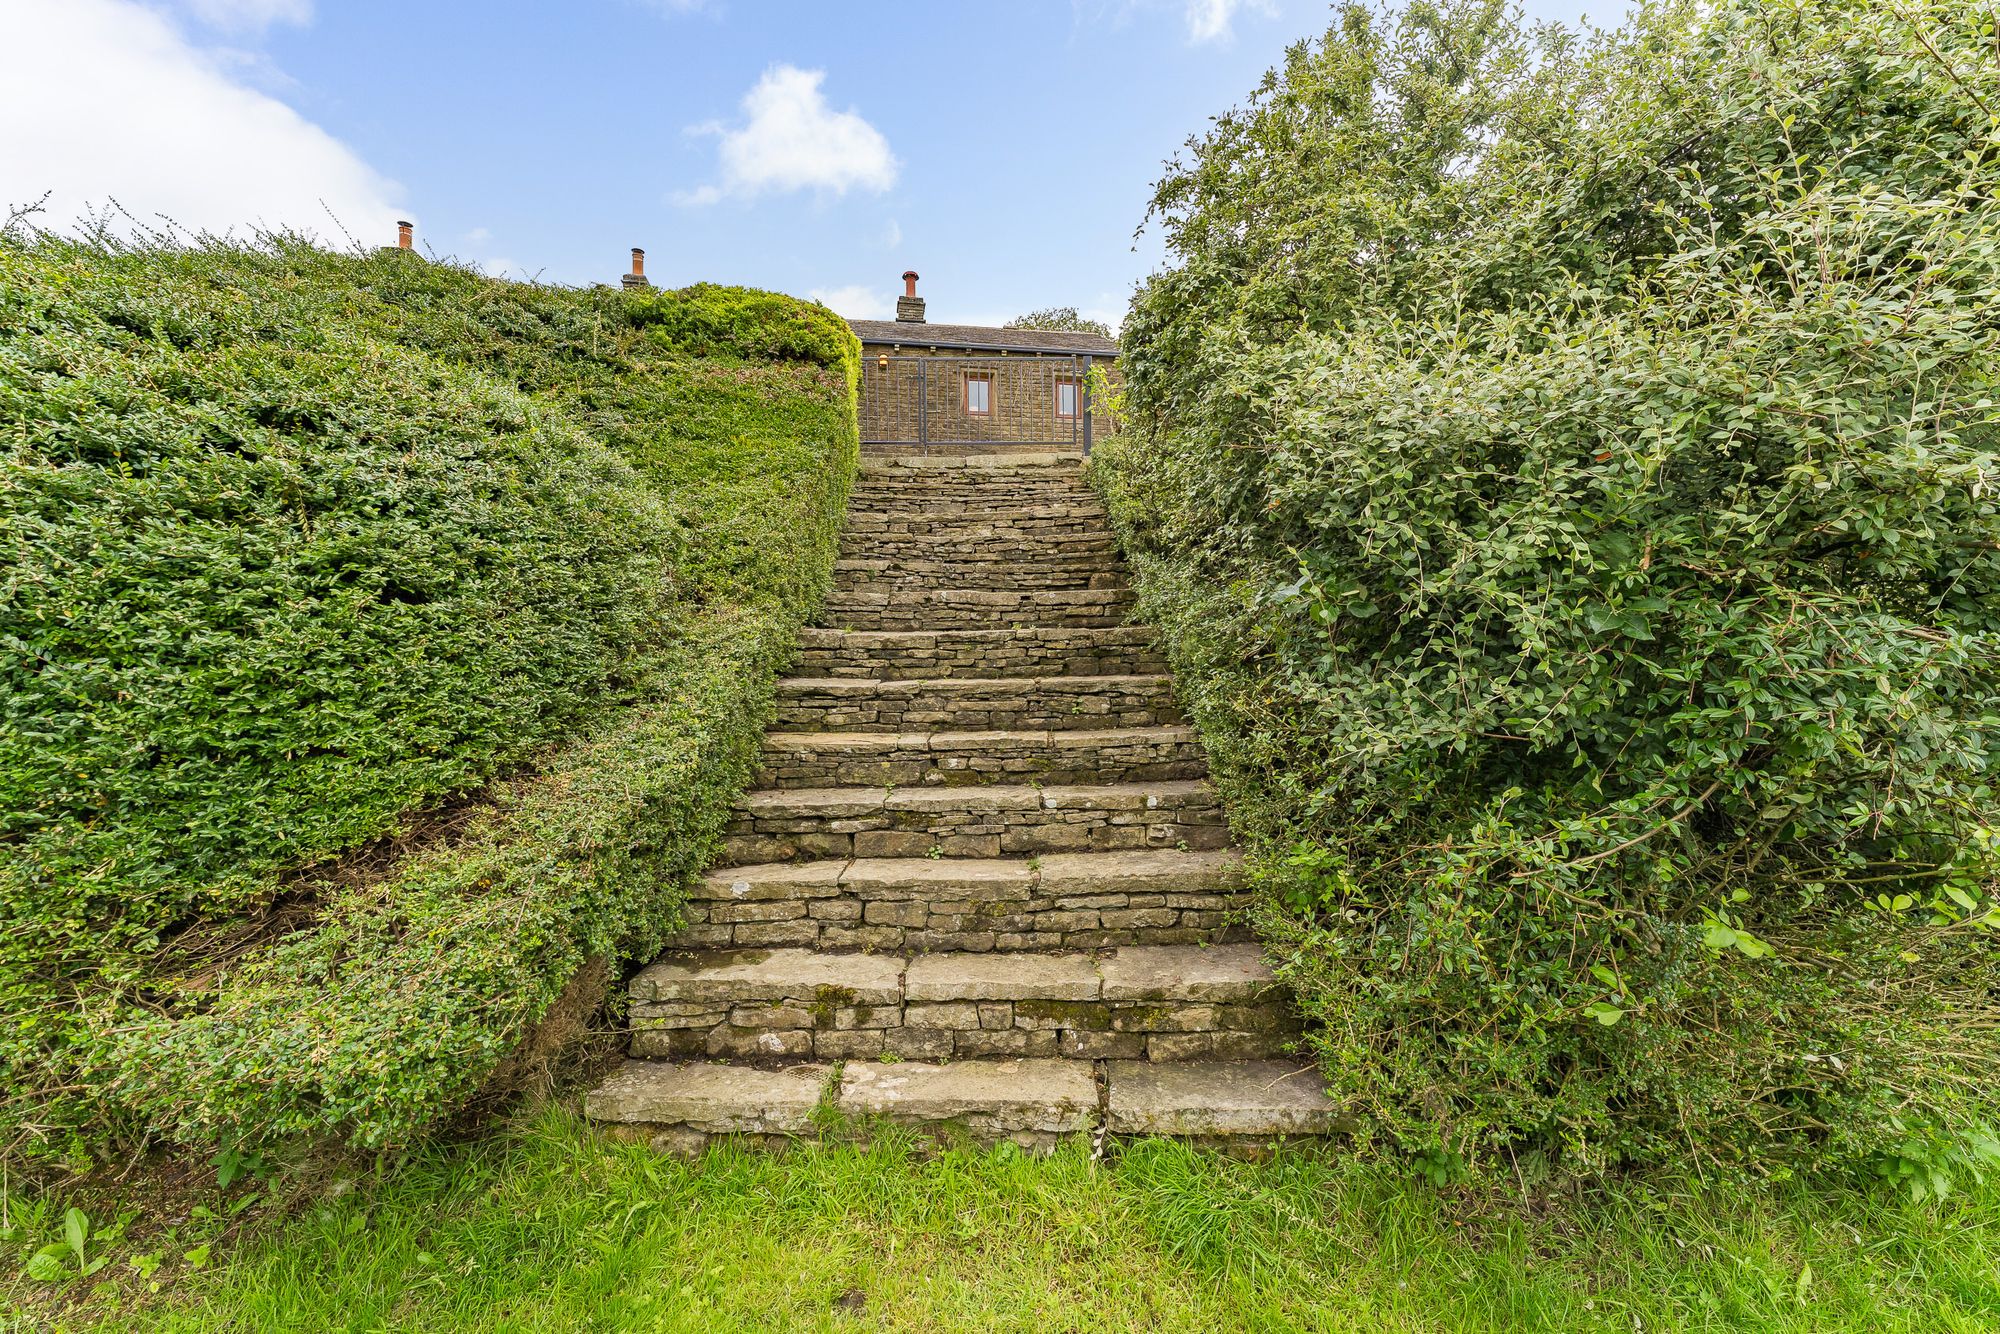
point(957, 385)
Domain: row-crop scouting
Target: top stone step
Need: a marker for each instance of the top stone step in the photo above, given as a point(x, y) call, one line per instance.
point(965, 465)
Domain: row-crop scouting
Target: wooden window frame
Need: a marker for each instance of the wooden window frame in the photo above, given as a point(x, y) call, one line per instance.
point(1075, 386)
point(965, 393)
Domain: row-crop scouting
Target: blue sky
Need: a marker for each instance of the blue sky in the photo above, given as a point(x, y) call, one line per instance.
point(1004, 149)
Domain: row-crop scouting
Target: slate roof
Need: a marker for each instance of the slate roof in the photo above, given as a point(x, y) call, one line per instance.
point(979, 338)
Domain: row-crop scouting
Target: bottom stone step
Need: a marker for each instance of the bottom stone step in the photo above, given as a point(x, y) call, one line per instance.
point(1219, 1100)
point(1031, 1102)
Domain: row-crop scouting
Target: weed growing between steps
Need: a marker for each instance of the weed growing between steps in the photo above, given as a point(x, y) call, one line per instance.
point(548, 1227)
point(1565, 477)
point(382, 644)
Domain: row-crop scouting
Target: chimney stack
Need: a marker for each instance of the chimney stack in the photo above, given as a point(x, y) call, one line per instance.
point(910, 306)
point(405, 235)
point(637, 277)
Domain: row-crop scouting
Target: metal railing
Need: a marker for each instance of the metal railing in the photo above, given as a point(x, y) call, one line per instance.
point(977, 400)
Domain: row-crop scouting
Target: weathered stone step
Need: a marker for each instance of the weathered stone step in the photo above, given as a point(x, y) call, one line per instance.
point(1016, 651)
point(972, 703)
point(876, 608)
point(1142, 1002)
point(976, 505)
point(1034, 1102)
point(992, 571)
point(1220, 1101)
point(906, 759)
point(922, 494)
point(1086, 900)
point(1024, 523)
point(1015, 483)
point(875, 450)
point(971, 543)
point(988, 460)
point(787, 825)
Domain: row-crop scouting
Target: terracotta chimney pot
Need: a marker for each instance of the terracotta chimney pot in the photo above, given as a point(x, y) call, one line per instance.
point(910, 306)
point(637, 277)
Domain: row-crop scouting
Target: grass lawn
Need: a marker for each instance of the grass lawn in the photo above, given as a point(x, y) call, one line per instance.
point(547, 1226)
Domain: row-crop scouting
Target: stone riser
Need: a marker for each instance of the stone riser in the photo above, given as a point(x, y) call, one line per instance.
point(1028, 560)
point(974, 460)
point(1019, 530)
point(1016, 482)
point(869, 664)
point(1031, 547)
point(1029, 651)
point(1103, 610)
point(845, 920)
point(910, 513)
point(972, 822)
point(973, 704)
point(1163, 1004)
point(994, 574)
point(889, 759)
point(917, 1033)
point(997, 536)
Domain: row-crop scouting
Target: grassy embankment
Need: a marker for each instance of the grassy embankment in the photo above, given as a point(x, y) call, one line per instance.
point(381, 649)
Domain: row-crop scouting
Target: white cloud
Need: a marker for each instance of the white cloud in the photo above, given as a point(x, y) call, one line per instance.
point(1212, 20)
point(855, 302)
point(503, 268)
point(105, 99)
point(892, 235)
point(792, 140)
point(250, 15)
point(478, 236)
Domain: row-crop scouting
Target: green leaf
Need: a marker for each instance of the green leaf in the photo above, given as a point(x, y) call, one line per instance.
point(76, 1231)
point(49, 1264)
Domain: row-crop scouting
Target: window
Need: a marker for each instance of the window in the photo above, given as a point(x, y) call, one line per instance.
point(1065, 398)
point(978, 393)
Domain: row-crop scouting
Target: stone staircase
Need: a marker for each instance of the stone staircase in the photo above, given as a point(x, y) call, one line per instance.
point(982, 885)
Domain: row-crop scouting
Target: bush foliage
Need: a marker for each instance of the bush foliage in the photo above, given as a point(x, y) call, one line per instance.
point(381, 643)
point(1566, 474)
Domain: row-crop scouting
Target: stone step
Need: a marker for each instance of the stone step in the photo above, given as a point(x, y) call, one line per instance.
point(1220, 1101)
point(877, 450)
point(876, 608)
point(776, 825)
point(971, 543)
point(1018, 651)
point(999, 460)
point(1086, 900)
point(1031, 1103)
point(990, 570)
point(986, 481)
point(925, 759)
point(975, 704)
point(1018, 523)
point(1242, 1106)
point(1141, 1002)
point(976, 502)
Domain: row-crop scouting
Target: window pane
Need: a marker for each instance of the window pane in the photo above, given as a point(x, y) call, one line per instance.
point(975, 394)
point(1066, 398)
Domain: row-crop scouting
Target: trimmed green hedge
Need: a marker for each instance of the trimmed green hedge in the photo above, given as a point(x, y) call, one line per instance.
point(1566, 478)
point(381, 642)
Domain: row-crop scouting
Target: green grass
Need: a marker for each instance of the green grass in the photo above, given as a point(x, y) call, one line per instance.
point(547, 1226)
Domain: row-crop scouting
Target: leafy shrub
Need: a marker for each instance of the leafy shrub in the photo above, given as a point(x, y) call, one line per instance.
point(305, 552)
point(1567, 480)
